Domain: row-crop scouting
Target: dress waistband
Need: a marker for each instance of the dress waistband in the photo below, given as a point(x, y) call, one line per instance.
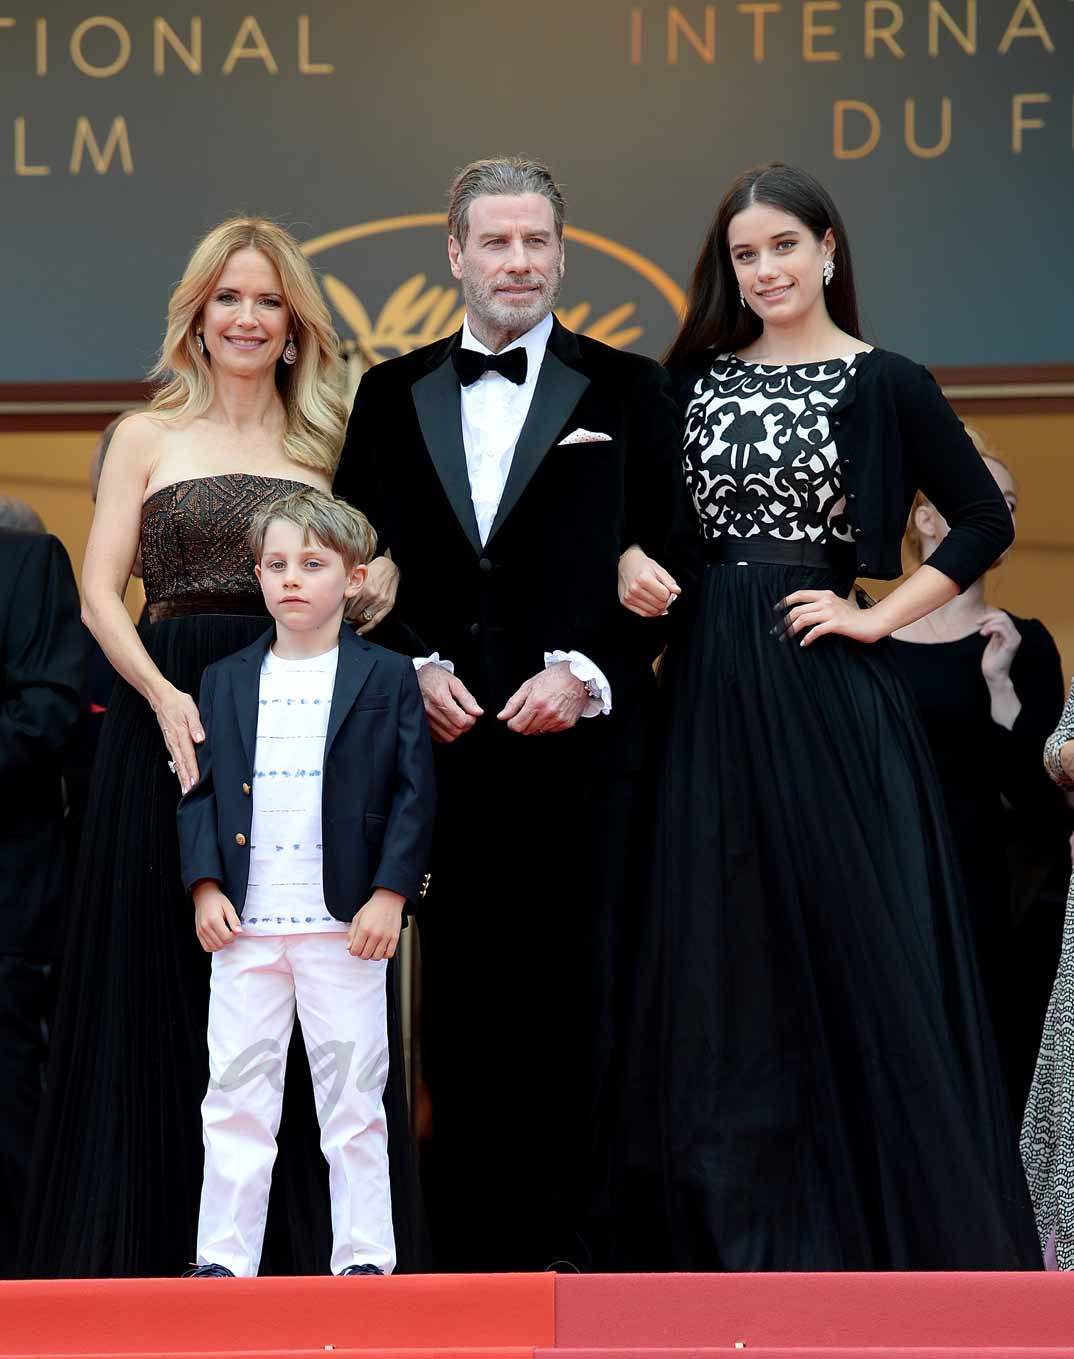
point(778, 552)
point(209, 601)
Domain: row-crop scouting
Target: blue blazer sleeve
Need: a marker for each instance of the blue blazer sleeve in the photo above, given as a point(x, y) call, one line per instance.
point(408, 836)
point(199, 842)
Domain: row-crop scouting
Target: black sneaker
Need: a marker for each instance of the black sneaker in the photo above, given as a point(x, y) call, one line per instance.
point(359, 1269)
point(208, 1272)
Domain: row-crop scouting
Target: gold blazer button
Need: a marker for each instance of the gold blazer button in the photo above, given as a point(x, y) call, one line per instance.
point(240, 839)
point(246, 789)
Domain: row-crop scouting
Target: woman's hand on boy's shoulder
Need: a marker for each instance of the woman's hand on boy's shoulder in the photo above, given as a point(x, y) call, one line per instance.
point(374, 932)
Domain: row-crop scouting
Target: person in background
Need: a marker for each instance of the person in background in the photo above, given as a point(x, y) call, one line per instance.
point(1048, 1126)
point(41, 659)
point(17, 514)
point(813, 1082)
point(989, 687)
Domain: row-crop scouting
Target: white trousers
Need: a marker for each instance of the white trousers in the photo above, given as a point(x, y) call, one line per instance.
point(256, 984)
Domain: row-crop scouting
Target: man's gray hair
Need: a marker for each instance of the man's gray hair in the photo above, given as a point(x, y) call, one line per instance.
point(506, 175)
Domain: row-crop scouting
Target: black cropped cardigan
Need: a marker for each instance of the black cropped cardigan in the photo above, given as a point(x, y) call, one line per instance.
point(895, 434)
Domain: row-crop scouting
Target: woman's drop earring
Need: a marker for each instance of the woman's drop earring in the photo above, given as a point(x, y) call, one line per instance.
point(290, 350)
point(828, 271)
point(199, 342)
point(741, 299)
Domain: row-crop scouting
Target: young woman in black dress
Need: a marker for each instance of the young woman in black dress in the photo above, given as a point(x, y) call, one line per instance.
point(813, 1084)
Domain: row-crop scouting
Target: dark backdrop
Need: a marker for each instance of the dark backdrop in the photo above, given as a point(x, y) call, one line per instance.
point(643, 110)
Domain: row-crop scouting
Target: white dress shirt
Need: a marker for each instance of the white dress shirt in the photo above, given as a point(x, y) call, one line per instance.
point(494, 409)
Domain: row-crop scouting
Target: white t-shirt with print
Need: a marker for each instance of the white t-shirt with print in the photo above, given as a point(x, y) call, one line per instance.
point(285, 894)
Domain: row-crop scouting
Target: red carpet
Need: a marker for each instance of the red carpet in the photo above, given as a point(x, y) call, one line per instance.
point(816, 1313)
point(407, 1317)
point(542, 1316)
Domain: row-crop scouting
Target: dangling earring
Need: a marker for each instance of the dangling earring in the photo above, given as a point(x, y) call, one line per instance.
point(199, 342)
point(290, 350)
point(741, 299)
point(828, 271)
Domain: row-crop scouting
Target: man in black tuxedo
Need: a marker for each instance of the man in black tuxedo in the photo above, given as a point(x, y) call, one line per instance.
point(507, 468)
point(41, 659)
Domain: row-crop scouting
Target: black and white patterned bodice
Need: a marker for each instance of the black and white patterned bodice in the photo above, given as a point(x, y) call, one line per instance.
point(759, 454)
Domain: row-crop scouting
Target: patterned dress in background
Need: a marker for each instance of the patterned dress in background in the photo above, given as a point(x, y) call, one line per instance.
point(1048, 1127)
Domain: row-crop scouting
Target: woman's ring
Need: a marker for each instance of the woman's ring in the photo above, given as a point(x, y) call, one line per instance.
point(171, 765)
point(366, 615)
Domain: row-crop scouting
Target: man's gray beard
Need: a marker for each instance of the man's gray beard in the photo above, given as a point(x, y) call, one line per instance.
point(482, 307)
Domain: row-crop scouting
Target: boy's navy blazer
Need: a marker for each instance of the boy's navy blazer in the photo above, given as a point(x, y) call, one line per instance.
point(378, 791)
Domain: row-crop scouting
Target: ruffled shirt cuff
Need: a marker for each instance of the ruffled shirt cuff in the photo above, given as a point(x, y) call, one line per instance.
point(594, 679)
point(421, 661)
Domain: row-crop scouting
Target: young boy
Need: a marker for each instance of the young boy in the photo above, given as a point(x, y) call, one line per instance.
point(302, 842)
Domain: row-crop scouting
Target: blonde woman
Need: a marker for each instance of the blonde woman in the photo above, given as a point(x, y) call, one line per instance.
point(250, 408)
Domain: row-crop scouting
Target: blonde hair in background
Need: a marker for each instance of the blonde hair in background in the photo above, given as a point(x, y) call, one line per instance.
point(911, 539)
point(311, 389)
point(324, 519)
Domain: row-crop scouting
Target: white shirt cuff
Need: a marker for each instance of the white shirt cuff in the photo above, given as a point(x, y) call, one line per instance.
point(421, 661)
point(594, 679)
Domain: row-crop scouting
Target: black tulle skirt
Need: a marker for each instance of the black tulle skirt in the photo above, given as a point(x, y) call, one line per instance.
point(811, 1083)
point(118, 1159)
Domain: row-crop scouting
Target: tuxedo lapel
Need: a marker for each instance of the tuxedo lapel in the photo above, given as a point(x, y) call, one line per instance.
point(355, 665)
point(436, 399)
point(559, 388)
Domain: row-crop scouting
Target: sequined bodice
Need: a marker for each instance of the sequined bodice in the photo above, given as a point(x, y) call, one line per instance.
point(759, 453)
point(194, 537)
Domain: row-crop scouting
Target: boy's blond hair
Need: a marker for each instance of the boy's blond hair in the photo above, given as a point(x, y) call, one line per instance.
point(324, 519)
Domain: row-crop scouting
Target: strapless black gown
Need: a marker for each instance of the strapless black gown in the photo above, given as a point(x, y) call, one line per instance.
point(118, 1162)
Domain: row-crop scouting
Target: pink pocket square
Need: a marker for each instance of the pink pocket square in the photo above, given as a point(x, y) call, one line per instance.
point(585, 436)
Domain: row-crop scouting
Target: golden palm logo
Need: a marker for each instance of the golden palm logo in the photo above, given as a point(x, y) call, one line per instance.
point(418, 312)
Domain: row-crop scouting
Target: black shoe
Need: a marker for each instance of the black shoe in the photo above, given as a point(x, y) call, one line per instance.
point(360, 1269)
point(208, 1272)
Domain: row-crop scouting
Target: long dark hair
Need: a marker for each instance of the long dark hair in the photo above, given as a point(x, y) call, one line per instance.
point(715, 319)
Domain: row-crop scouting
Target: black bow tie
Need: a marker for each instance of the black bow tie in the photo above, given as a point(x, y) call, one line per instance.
point(470, 365)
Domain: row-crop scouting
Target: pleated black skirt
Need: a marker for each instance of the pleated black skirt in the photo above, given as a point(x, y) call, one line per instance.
point(810, 1081)
point(118, 1159)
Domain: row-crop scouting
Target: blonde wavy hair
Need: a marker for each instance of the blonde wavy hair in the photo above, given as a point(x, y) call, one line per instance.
point(911, 540)
point(311, 389)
